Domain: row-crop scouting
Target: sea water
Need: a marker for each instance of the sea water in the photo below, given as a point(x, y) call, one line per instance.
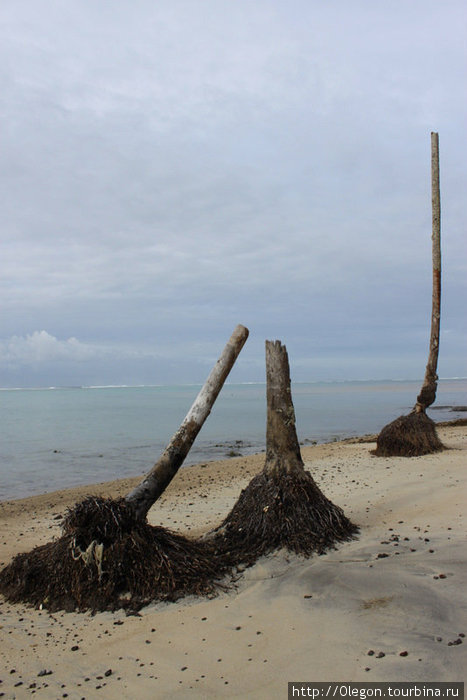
point(60, 437)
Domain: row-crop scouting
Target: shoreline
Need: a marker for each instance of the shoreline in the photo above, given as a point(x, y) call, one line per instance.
point(115, 488)
point(62, 440)
point(399, 587)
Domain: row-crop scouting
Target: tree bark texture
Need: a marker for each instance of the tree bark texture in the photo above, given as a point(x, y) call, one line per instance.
point(282, 446)
point(156, 481)
point(427, 394)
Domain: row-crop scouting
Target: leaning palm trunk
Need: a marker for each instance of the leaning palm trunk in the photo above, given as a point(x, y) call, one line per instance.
point(108, 556)
point(156, 481)
point(282, 506)
point(415, 434)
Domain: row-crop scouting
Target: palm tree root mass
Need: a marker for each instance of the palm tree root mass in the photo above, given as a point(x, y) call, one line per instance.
point(106, 559)
point(281, 509)
point(408, 436)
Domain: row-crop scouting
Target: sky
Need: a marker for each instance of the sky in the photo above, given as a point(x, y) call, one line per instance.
point(171, 169)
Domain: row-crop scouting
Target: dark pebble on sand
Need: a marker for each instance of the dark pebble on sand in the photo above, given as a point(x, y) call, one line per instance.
point(380, 655)
point(382, 555)
point(371, 652)
point(75, 648)
point(108, 673)
point(404, 653)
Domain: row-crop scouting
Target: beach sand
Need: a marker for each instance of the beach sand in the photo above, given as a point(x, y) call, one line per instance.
point(388, 606)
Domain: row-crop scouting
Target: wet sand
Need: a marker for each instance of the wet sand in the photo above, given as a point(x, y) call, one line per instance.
point(390, 605)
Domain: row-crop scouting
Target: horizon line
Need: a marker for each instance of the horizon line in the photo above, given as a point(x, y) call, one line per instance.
point(196, 384)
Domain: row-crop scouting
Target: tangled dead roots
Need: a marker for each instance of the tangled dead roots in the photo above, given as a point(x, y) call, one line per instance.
point(282, 509)
point(408, 436)
point(106, 559)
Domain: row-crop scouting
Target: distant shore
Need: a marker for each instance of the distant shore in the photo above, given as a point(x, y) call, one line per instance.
point(388, 606)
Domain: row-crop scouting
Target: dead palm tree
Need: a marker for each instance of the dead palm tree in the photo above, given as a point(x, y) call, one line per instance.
point(108, 556)
point(282, 506)
point(415, 434)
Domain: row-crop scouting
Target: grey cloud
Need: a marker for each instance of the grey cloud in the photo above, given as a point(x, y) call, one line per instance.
point(172, 169)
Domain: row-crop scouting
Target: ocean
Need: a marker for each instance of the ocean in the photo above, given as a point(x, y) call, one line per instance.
point(56, 438)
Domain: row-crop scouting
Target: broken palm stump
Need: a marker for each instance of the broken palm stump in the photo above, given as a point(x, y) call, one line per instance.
point(108, 555)
point(415, 434)
point(282, 506)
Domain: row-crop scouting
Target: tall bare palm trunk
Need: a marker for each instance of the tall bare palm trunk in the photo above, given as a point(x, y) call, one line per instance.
point(427, 394)
point(415, 434)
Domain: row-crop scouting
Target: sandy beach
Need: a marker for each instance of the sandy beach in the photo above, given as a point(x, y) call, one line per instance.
point(388, 606)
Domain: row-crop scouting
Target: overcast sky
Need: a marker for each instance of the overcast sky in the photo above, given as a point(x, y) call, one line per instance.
point(170, 169)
